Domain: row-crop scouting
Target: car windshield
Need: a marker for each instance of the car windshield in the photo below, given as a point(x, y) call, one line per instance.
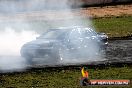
point(59, 33)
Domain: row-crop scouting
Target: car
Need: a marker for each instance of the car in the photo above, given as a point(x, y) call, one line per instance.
point(58, 43)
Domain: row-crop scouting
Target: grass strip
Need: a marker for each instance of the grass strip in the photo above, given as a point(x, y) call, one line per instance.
point(114, 26)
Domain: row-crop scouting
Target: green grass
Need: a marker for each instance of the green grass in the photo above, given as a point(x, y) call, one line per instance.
point(114, 26)
point(60, 78)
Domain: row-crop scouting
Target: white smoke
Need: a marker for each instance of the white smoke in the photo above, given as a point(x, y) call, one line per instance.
point(10, 45)
point(12, 63)
point(13, 37)
point(16, 6)
point(11, 41)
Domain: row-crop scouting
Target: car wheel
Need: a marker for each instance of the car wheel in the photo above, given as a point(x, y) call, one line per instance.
point(50, 58)
point(29, 60)
point(55, 56)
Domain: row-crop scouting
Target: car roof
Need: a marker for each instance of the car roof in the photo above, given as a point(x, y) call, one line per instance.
point(68, 28)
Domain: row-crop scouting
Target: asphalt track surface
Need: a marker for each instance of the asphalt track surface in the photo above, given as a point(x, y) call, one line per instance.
point(119, 51)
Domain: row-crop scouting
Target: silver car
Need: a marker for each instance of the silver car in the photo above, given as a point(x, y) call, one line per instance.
point(49, 45)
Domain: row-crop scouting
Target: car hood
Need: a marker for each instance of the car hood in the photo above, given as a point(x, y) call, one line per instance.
point(39, 43)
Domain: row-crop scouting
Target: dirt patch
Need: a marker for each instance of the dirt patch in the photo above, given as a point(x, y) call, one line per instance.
point(107, 11)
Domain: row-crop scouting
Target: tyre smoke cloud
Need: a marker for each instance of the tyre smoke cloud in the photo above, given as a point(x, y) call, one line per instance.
point(18, 6)
point(10, 45)
point(14, 34)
